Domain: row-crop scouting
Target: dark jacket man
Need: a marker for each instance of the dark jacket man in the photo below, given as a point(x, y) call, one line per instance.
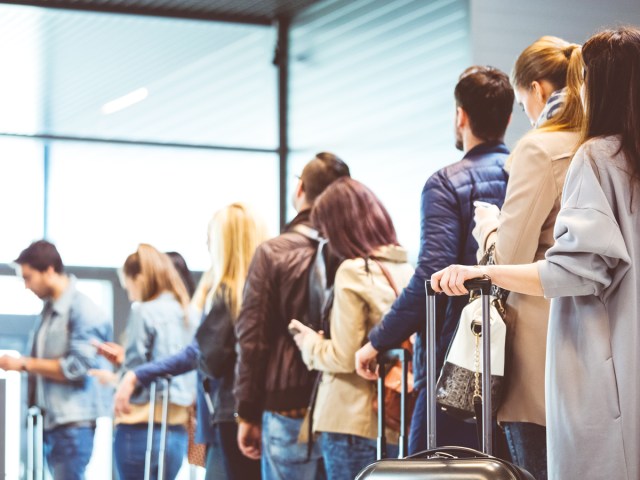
point(484, 100)
point(273, 385)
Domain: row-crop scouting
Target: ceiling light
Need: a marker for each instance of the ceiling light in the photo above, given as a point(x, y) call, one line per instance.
point(125, 101)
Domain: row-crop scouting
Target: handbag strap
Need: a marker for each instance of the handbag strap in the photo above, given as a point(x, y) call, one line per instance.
point(387, 274)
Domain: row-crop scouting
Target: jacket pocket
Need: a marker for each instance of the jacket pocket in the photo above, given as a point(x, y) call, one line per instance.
point(611, 388)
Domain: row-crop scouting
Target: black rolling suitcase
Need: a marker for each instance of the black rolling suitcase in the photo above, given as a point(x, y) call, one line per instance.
point(451, 463)
point(166, 382)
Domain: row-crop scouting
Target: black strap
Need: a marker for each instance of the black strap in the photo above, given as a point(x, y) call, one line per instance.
point(477, 406)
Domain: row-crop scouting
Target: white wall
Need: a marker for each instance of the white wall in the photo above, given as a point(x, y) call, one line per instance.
point(501, 29)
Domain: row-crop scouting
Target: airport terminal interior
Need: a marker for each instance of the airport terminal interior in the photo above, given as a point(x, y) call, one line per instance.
point(132, 121)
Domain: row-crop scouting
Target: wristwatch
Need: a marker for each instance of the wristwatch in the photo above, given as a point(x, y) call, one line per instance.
point(23, 364)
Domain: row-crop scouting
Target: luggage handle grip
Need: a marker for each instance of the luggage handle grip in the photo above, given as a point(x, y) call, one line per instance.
point(481, 283)
point(453, 452)
point(394, 355)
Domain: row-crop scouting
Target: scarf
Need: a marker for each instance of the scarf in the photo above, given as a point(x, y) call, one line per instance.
point(554, 103)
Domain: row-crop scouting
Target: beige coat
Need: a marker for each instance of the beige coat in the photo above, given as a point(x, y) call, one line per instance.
point(361, 298)
point(537, 169)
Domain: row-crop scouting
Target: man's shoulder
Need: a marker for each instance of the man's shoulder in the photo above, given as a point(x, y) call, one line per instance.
point(285, 242)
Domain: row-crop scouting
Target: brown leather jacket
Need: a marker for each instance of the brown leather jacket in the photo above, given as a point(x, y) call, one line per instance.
point(270, 373)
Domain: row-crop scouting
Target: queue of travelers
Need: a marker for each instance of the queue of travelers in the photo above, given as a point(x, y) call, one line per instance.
point(277, 345)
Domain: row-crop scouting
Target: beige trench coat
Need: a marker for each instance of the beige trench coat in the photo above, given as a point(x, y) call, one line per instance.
point(361, 298)
point(537, 169)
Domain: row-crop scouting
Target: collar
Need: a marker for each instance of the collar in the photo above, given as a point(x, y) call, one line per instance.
point(63, 303)
point(303, 217)
point(495, 146)
point(392, 253)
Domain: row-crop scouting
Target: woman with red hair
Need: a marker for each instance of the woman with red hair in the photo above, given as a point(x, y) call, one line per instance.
point(373, 267)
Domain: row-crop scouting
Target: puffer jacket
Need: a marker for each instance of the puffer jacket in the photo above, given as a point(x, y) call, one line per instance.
point(445, 239)
point(270, 373)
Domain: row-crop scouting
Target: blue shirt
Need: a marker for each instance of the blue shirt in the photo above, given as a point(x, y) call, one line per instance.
point(66, 330)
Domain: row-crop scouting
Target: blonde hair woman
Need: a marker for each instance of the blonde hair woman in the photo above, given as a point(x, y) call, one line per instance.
point(547, 78)
point(161, 323)
point(234, 233)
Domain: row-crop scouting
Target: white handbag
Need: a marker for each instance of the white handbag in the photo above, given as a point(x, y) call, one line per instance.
point(460, 380)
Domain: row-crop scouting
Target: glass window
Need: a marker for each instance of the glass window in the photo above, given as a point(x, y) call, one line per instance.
point(20, 57)
point(373, 82)
point(167, 80)
point(105, 200)
point(21, 195)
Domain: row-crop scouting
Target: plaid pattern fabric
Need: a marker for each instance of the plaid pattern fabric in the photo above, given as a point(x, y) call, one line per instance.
point(555, 101)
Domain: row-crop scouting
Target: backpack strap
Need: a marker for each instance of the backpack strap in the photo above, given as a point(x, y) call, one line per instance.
point(317, 287)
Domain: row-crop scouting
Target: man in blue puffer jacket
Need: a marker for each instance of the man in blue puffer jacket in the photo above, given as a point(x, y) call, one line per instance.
point(484, 100)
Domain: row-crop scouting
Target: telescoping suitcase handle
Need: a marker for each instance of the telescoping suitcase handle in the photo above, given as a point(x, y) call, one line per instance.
point(166, 382)
point(35, 451)
point(484, 286)
point(390, 357)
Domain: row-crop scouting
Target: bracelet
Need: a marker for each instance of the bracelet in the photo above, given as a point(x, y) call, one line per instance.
point(23, 364)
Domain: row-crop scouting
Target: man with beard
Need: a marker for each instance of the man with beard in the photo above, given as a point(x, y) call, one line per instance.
point(484, 100)
point(61, 357)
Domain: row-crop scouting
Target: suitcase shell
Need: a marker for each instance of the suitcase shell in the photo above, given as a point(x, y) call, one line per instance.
point(449, 463)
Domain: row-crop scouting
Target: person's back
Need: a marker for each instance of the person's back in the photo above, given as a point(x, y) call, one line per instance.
point(373, 269)
point(484, 100)
point(449, 197)
point(160, 325)
point(547, 77)
point(273, 386)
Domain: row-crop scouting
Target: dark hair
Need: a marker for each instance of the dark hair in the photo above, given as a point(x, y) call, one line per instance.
point(181, 266)
point(353, 219)
point(320, 172)
point(486, 95)
point(40, 256)
point(612, 81)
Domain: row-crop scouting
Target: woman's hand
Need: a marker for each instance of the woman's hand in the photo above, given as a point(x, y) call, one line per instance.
point(303, 332)
point(451, 279)
point(111, 351)
point(105, 377)
point(123, 393)
point(366, 365)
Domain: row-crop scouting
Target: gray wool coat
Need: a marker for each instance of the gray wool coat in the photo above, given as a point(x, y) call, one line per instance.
point(592, 273)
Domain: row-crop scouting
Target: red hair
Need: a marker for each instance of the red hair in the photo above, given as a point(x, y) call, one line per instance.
point(353, 219)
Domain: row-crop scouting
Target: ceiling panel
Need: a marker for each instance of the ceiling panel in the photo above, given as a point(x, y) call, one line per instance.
point(245, 11)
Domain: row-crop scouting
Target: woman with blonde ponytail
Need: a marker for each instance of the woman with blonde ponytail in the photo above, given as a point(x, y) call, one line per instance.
point(234, 233)
point(547, 79)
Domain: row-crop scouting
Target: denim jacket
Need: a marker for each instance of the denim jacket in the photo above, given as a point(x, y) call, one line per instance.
point(156, 329)
point(73, 322)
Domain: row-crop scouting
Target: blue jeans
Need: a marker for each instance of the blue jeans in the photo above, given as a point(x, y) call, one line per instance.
point(346, 455)
point(528, 447)
point(68, 451)
point(225, 461)
point(283, 458)
point(449, 431)
point(130, 446)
